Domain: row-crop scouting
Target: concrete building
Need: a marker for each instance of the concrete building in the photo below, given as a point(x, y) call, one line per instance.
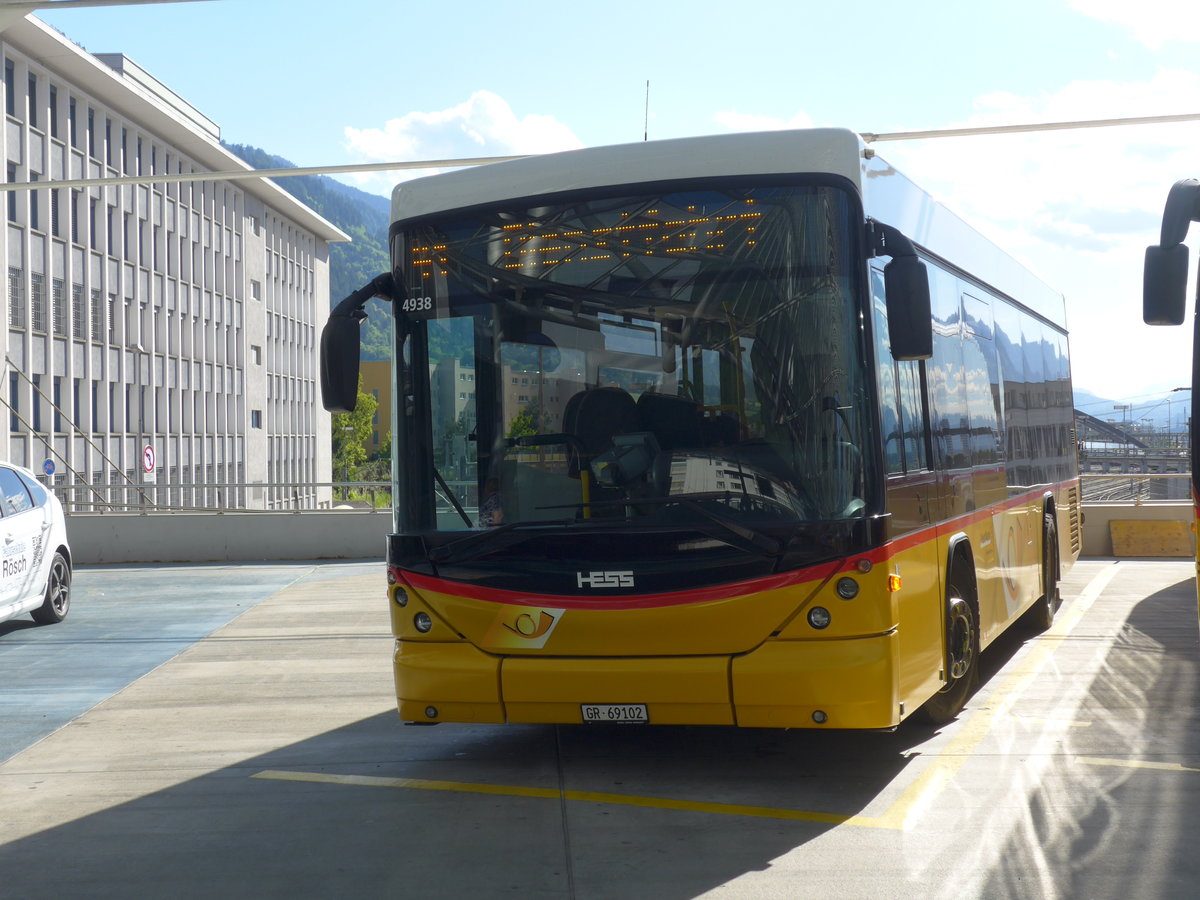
point(172, 325)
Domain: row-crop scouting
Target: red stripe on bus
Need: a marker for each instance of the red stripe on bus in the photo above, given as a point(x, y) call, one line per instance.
point(809, 574)
point(816, 573)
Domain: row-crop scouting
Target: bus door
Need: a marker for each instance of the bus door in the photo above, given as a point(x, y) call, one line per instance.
point(911, 487)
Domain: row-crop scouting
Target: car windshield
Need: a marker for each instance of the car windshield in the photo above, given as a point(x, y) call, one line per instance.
point(678, 359)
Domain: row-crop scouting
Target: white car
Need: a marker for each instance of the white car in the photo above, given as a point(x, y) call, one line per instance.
point(35, 558)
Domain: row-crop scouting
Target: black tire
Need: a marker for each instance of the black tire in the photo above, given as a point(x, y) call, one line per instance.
point(1041, 614)
point(962, 637)
point(57, 602)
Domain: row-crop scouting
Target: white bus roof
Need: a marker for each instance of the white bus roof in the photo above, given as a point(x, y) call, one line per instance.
point(887, 194)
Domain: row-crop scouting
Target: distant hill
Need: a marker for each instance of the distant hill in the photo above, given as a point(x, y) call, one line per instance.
point(365, 217)
point(1149, 409)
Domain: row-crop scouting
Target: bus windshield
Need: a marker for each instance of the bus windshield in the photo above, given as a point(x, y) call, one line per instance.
point(668, 362)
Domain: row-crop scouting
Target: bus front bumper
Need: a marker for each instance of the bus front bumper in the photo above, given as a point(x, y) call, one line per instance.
point(840, 683)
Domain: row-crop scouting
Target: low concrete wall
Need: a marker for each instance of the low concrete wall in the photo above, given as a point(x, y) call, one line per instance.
point(362, 534)
point(1097, 534)
point(228, 537)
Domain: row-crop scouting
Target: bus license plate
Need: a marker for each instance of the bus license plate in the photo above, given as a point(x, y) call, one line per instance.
point(614, 712)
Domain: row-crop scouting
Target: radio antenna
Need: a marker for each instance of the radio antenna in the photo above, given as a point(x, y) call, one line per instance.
point(646, 119)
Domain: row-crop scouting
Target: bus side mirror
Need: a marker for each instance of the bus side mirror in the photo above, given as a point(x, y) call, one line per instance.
point(909, 312)
point(1164, 285)
point(339, 345)
point(339, 363)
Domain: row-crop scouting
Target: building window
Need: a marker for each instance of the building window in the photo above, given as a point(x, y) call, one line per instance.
point(37, 402)
point(12, 195)
point(112, 319)
point(32, 112)
point(35, 223)
point(97, 318)
point(256, 354)
point(10, 95)
point(53, 111)
point(16, 298)
point(91, 132)
point(72, 133)
point(14, 401)
point(256, 418)
point(59, 308)
point(56, 394)
point(38, 298)
point(54, 201)
point(78, 320)
point(75, 197)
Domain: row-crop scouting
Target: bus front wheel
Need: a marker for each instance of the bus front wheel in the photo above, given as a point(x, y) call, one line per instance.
point(962, 657)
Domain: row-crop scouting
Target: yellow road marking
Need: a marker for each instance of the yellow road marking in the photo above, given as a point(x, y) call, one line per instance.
point(1135, 764)
point(727, 809)
point(902, 814)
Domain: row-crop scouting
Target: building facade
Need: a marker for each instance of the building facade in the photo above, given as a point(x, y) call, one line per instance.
point(162, 339)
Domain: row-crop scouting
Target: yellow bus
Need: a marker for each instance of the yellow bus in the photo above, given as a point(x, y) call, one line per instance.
point(1164, 297)
point(733, 430)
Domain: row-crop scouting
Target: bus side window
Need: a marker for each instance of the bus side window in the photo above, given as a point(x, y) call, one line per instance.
point(912, 415)
point(885, 369)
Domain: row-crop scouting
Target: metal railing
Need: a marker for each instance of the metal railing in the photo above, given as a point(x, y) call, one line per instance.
point(1136, 487)
point(255, 496)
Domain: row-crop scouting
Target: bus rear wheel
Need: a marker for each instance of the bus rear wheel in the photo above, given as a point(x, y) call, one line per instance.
point(962, 657)
point(1041, 615)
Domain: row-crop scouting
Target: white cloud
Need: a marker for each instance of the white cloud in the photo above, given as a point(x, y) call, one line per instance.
point(483, 125)
point(1152, 22)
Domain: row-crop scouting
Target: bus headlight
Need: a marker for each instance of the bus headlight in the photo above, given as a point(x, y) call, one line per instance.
point(819, 617)
point(400, 595)
point(847, 588)
point(422, 622)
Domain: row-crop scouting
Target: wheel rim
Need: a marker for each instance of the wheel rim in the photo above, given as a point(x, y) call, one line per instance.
point(60, 586)
point(962, 643)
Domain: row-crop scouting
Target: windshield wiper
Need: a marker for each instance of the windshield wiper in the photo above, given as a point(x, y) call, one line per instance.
point(481, 539)
point(728, 529)
point(743, 536)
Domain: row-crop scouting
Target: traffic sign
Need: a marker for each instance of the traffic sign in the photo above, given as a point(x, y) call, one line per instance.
point(48, 467)
point(148, 458)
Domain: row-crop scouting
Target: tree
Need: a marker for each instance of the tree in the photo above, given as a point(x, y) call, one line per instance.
point(530, 420)
point(351, 432)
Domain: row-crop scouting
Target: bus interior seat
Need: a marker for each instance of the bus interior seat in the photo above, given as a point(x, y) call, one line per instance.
point(594, 415)
point(720, 430)
point(675, 421)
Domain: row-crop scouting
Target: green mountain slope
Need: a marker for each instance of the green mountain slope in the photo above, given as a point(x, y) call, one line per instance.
point(365, 217)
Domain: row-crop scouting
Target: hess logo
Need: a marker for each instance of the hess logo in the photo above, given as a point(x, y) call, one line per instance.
point(605, 579)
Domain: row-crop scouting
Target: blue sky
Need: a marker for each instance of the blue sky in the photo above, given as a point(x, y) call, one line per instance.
point(324, 83)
